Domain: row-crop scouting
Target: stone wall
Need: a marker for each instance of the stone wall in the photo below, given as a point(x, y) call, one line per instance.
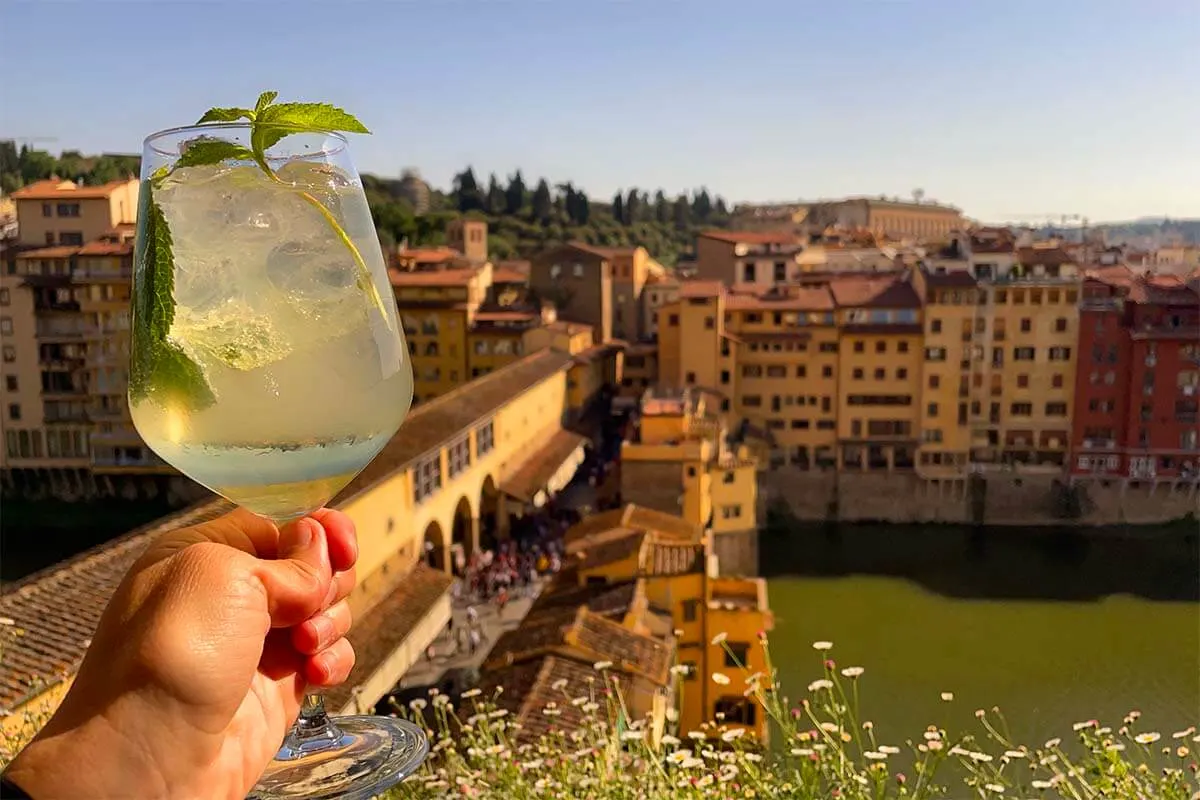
point(652, 484)
point(736, 552)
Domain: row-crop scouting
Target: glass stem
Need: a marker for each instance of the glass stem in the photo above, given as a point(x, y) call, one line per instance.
point(314, 730)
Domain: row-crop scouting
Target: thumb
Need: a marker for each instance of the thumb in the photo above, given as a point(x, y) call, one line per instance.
point(297, 583)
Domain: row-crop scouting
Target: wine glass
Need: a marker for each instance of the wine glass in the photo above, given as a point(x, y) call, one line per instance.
point(267, 366)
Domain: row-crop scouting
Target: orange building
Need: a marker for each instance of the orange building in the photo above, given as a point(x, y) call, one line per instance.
point(60, 212)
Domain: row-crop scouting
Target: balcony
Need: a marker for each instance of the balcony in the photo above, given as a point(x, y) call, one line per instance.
point(70, 329)
point(1099, 444)
point(123, 273)
point(65, 417)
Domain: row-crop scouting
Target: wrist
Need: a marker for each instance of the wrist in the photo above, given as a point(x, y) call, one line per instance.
point(88, 759)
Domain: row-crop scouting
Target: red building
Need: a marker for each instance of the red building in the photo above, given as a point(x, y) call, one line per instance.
point(1138, 381)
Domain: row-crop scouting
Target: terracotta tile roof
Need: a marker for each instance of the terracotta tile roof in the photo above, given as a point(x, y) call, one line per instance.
point(530, 477)
point(609, 600)
point(436, 422)
point(107, 249)
point(1044, 256)
point(427, 255)
point(873, 292)
point(603, 553)
point(1164, 290)
point(59, 607)
point(529, 688)
point(58, 251)
point(674, 559)
point(431, 277)
point(951, 279)
point(53, 189)
point(507, 316)
point(1113, 275)
point(598, 351)
point(698, 289)
point(510, 275)
point(634, 517)
point(749, 237)
point(536, 634)
point(569, 328)
point(376, 634)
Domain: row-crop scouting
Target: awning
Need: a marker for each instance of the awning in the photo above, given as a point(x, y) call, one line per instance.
point(390, 637)
point(547, 471)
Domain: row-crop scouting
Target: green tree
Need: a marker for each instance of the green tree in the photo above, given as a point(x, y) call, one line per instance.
point(10, 162)
point(721, 210)
point(466, 191)
point(543, 204)
point(496, 200)
point(702, 205)
point(618, 207)
point(514, 195)
point(583, 208)
point(683, 213)
point(105, 169)
point(633, 207)
point(36, 165)
point(662, 209)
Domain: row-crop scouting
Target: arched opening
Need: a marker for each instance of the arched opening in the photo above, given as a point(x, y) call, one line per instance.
point(489, 514)
point(464, 536)
point(435, 546)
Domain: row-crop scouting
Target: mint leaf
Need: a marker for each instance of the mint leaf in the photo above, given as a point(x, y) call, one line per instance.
point(158, 367)
point(265, 99)
point(311, 117)
point(225, 115)
point(212, 151)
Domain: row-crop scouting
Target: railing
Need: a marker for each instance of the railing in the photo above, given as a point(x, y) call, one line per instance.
point(54, 417)
point(61, 328)
point(1099, 444)
point(104, 274)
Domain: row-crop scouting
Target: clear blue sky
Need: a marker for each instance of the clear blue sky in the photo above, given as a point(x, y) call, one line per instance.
point(1004, 108)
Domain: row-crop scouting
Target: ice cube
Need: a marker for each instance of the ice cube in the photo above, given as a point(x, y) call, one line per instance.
point(233, 334)
point(319, 278)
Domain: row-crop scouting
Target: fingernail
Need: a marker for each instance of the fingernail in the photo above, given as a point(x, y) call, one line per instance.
point(324, 628)
point(301, 536)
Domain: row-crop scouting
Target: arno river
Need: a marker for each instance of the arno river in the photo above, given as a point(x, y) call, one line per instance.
point(1053, 628)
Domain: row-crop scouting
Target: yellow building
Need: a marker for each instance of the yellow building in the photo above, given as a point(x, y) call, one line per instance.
point(666, 564)
point(639, 370)
point(448, 478)
point(879, 372)
point(60, 212)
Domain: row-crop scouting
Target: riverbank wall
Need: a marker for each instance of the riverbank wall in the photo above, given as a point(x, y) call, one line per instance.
point(997, 499)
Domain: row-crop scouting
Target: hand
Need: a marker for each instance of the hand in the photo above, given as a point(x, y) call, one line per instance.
point(200, 662)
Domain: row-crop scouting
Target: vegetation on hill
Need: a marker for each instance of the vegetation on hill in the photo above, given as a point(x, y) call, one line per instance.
point(526, 217)
point(20, 166)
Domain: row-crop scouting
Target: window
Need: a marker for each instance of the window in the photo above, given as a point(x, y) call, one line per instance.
point(729, 477)
point(724, 376)
point(752, 400)
point(1022, 381)
point(1026, 324)
point(1060, 325)
point(690, 378)
point(1057, 380)
point(691, 472)
point(427, 477)
point(902, 347)
point(709, 323)
point(1056, 409)
point(431, 349)
point(860, 346)
point(10, 382)
point(484, 439)
point(1023, 353)
point(577, 270)
point(800, 424)
point(825, 425)
point(826, 404)
point(828, 347)
point(14, 411)
point(827, 371)
point(780, 271)
point(673, 320)
point(748, 274)
point(857, 374)
point(1060, 354)
point(935, 354)
point(4, 298)
point(934, 381)
point(689, 668)
point(736, 654)
point(47, 210)
point(1021, 409)
point(880, 373)
point(801, 371)
point(68, 209)
point(935, 326)
point(931, 410)
point(458, 456)
point(690, 607)
point(901, 374)
point(74, 238)
point(731, 512)
point(881, 347)
point(6, 325)
point(737, 710)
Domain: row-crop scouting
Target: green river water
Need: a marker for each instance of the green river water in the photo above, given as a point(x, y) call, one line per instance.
point(1052, 627)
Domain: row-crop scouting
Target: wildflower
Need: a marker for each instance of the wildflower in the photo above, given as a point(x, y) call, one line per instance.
point(1078, 726)
point(875, 755)
point(994, 787)
point(900, 778)
point(1183, 734)
point(802, 751)
point(672, 715)
point(947, 696)
point(417, 704)
point(691, 763)
point(697, 735)
point(559, 684)
point(736, 733)
point(958, 751)
point(1015, 753)
point(936, 744)
point(498, 713)
point(668, 740)
point(931, 735)
point(830, 727)
point(1150, 737)
point(822, 645)
point(868, 725)
point(679, 756)
point(631, 736)
point(852, 672)
point(600, 666)
point(720, 637)
point(728, 772)
point(1052, 743)
point(679, 669)
point(1181, 752)
point(830, 664)
point(888, 749)
point(720, 678)
point(755, 757)
point(820, 684)
point(706, 780)
point(578, 701)
point(589, 708)
point(1042, 784)
point(979, 757)
point(980, 713)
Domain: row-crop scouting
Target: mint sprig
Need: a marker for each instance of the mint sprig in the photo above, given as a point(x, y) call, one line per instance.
point(159, 367)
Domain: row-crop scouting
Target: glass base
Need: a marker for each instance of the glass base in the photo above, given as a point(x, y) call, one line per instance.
point(356, 758)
